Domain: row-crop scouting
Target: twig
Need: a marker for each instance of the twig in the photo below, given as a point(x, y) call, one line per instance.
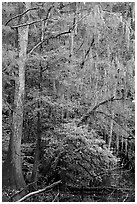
point(39, 191)
point(125, 198)
point(56, 197)
point(111, 194)
point(20, 15)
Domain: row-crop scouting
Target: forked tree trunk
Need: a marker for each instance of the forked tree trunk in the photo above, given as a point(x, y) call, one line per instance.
point(12, 167)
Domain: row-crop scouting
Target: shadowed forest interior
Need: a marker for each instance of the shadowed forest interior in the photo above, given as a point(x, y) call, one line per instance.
point(68, 101)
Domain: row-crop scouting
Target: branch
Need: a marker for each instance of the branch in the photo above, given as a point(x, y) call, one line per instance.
point(51, 37)
point(98, 188)
point(106, 101)
point(45, 69)
point(82, 64)
point(78, 21)
point(37, 21)
point(35, 47)
point(20, 15)
point(27, 24)
point(109, 116)
point(31, 23)
point(39, 191)
point(80, 46)
point(55, 197)
point(11, 198)
point(58, 35)
point(122, 20)
point(8, 105)
point(85, 169)
point(91, 112)
point(126, 198)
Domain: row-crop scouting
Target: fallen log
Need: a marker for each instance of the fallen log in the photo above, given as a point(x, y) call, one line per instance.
point(39, 191)
point(96, 189)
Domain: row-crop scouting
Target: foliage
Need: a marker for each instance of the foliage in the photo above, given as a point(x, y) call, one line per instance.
point(61, 88)
point(79, 151)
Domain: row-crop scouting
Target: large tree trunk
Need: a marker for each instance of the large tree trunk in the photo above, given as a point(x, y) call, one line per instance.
point(12, 167)
point(38, 141)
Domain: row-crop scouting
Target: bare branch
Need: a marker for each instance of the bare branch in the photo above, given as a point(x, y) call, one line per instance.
point(27, 24)
point(35, 47)
point(126, 198)
point(80, 46)
point(74, 25)
point(87, 52)
point(20, 14)
point(51, 37)
point(31, 23)
point(11, 198)
point(109, 116)
point(39, 191)
point(55, 197)
point(85, 169)
point(106, 101)
point(91, 111)
point(118, 15)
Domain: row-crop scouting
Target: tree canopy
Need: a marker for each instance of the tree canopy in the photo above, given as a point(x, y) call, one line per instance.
point(78, 109)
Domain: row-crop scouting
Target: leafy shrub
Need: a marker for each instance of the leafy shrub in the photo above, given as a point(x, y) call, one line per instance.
point(82, 154)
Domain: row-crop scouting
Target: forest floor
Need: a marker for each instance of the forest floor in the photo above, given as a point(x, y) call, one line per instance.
point(122, 188)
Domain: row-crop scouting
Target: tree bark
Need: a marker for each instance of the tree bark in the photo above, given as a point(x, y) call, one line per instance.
point(112, 113)
point(71, 44)
point(38, 140)
point(12, 167)
point(111, 129)
point(74, 30)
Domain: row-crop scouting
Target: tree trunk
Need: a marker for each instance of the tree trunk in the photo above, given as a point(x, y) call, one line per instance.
point(117, 144)
point(76, 19)
point(12, 167)
point(38, 141)
point(71, 45)
point(112, 115)
point(71, 53)
point(111, 129)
